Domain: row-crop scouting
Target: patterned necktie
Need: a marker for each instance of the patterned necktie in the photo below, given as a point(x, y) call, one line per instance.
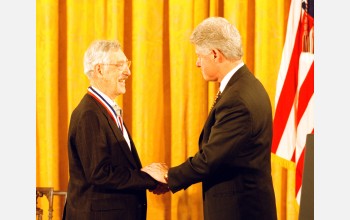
point(216, 99)
point(119, 112)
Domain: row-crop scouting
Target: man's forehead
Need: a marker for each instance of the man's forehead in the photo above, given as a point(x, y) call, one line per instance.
point(119, 55)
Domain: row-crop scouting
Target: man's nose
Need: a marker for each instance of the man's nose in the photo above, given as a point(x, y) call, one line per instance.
point(198, 62)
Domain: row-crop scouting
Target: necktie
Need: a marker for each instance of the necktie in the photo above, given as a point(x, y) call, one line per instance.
point(118, 111)
point(216, 99)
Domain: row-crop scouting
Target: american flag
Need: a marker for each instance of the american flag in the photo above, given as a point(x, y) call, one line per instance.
point(294, 109)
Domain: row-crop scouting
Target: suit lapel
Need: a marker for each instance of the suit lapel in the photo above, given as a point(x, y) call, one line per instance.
point(119, 136)
point(133, 150)
point(204, 136)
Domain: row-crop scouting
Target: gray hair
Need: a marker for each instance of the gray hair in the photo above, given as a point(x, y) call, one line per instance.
point(98, 52)
point(218, 33)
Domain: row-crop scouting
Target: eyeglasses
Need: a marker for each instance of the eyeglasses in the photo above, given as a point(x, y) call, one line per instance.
point(120, 65)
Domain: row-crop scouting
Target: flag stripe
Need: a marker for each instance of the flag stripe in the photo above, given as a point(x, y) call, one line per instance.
point(306, 125)
point(287, 141)
point(286, 84)
point(305, 93)
point(294, 108)
point(292, 29)
point(287, 95)
point(304, 113)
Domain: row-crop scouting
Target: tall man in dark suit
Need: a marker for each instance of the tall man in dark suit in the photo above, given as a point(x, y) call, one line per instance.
point(106, 182)
point(233, 162)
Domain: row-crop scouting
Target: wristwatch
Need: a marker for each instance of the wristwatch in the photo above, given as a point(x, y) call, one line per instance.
point(166, 176)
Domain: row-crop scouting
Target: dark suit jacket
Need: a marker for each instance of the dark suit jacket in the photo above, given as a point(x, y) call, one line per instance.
point(233, 162)
point(105, 178)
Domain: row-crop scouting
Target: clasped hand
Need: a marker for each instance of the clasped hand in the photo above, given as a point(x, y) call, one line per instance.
point(157, 171)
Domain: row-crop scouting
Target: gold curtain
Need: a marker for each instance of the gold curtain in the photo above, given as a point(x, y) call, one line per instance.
point(166, 102)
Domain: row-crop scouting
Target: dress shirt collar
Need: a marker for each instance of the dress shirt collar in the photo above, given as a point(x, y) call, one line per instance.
point(228, 76)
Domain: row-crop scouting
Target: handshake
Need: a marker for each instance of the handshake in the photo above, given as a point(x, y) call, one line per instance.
point(159, 172)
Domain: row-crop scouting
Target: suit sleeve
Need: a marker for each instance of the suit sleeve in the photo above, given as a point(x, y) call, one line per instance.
point(228, 126)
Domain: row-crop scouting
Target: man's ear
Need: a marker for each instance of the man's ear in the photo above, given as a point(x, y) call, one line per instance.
point(217, 55)
point(97, 69)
